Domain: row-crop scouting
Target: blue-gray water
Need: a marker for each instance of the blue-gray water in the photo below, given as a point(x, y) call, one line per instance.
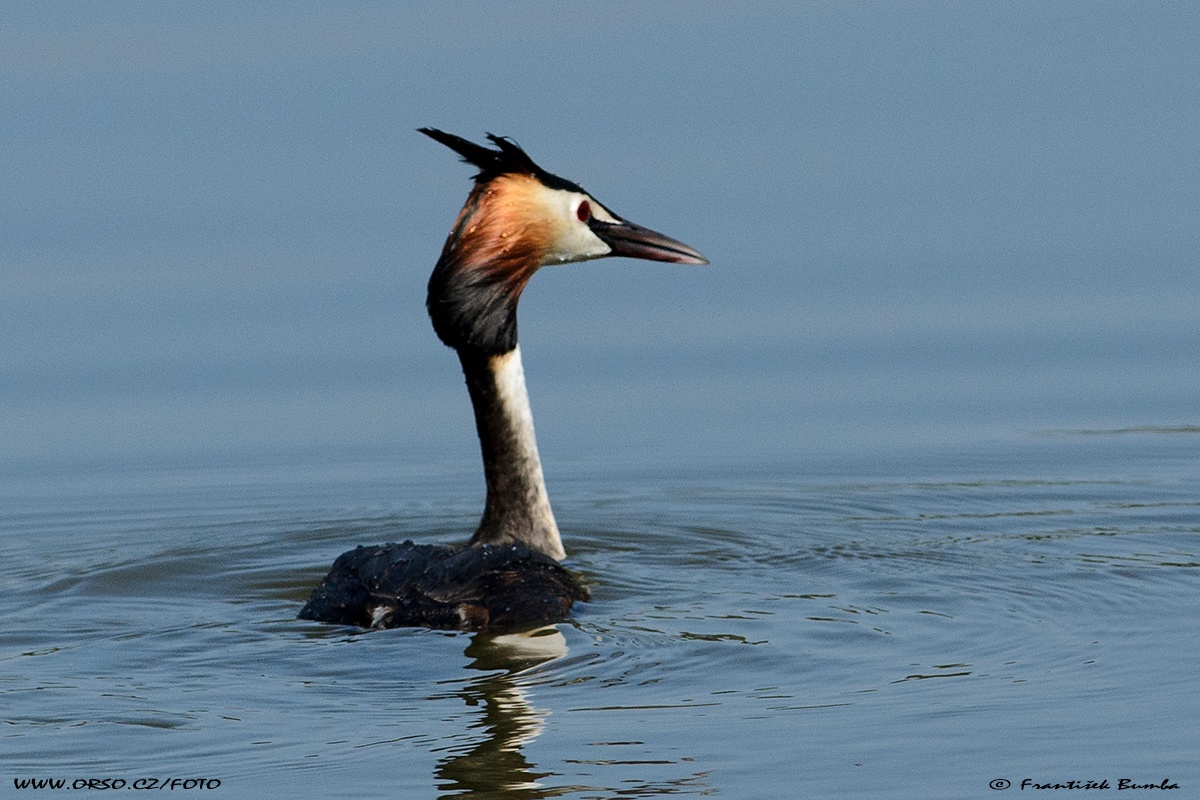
point(898, 497)
point(900, 626)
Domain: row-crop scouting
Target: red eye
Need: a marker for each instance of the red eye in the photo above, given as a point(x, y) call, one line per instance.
point(584, 212)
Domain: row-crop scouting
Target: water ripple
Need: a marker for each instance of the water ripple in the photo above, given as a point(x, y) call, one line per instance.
point(762, 602)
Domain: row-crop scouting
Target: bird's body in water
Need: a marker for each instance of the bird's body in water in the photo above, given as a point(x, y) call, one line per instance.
point(517, 219)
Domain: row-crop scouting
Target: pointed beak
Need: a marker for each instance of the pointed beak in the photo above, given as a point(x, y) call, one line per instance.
point(634, 241)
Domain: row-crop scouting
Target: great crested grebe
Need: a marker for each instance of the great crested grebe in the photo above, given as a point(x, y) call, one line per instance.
point(517, 219)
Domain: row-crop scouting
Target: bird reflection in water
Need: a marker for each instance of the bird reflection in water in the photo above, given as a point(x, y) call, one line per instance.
point(496, 766)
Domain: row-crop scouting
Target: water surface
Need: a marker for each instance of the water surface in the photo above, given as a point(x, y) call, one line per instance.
point(908, 626)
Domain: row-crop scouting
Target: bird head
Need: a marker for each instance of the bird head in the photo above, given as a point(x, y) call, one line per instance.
point(517, 219)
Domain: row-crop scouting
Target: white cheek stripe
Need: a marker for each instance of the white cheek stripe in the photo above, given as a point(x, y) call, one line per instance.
point(601, 213)
point(573, 240)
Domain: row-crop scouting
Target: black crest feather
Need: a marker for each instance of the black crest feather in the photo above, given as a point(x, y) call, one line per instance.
point(508, 158)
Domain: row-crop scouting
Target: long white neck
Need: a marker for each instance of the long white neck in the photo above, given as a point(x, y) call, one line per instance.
point(518, 507)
